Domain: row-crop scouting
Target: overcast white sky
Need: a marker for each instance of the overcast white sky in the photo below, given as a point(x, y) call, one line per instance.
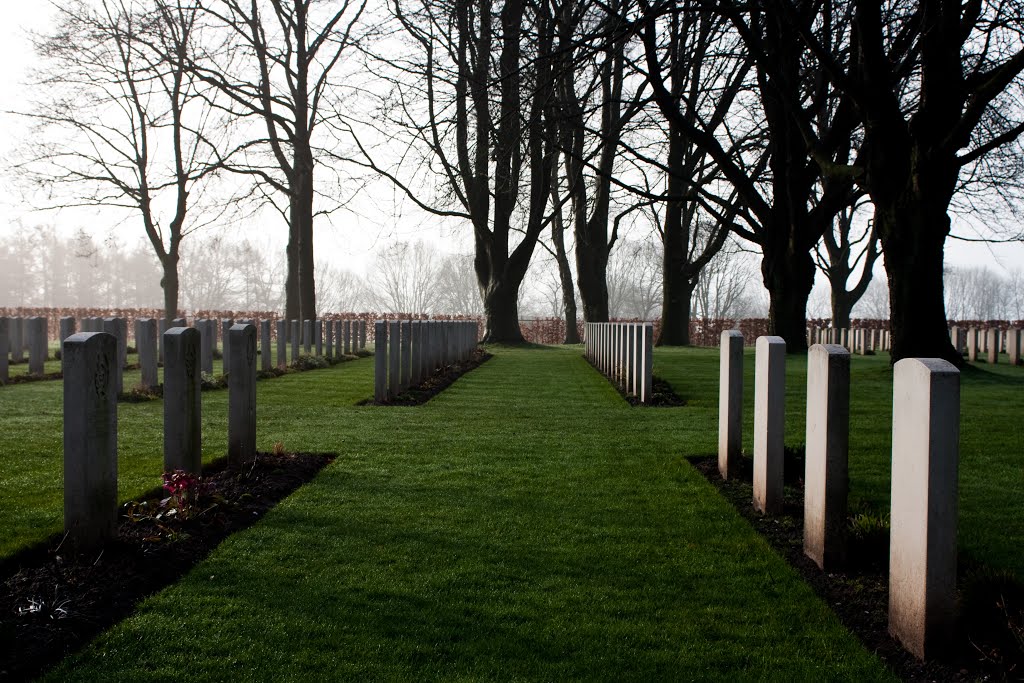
point(350, 239)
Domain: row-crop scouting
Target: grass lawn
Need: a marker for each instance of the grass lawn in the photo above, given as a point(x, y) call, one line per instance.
point(991, 438)
point(527, 523)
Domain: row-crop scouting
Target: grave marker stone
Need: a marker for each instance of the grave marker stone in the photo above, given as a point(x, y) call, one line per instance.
point(5, 343)
point(282, 343)
point(769, 423)
point(38, 345)
point(242, 393)
point(394, 358)
point(993, 345)
point(826, 480)
point(90, 439)
point(1013, 338)
point(67, 328)
point(182, 400)
point(265, 362)
point(112, 327)
point(295, 340)
point(380, 361)
point(145, 344)
point(922, 546)
point(730, 403)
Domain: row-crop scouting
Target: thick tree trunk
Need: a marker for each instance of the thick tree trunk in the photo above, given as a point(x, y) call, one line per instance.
point(788, 276)
point(913, 261)
point(291, 283)
point(306, 275)
point(841, 308)
point(572, 335)
point(592, 271)
point(501, 314)
point(676, 301)
point(171, 286)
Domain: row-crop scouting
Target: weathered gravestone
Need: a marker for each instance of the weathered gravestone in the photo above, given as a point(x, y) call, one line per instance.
point(242, 394)
point(922, 545)
point(38, 345)
point(145, 344)
point(90, 439)
point(67, 328)
point(207, 330)
point(394, 358)
point(730, 403)
point(380, 361)
point(993, 345)
point(16, 334)
point(295, 340)
point(282, 343)
point(769, 423)
point(348, 337)
point(318, 336)
point(112, 327)
point(182, 400)
point(826, 480)
point(329, 338)
point(406, 370)
point(5, 343)
point(225, 353)
point(265, 362)
point(307, 336)
point(1013, 338)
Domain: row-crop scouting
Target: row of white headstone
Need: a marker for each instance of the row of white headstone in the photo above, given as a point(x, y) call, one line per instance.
point(990, 341)
point(90, 420)
point(341, 337)
point(856, 339)
point(624, 353)
point(407, 352)
point(926, 427)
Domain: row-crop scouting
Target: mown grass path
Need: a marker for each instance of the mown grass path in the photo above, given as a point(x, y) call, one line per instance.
point(525, 524)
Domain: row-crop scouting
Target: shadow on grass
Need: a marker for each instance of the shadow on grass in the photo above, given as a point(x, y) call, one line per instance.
point(54, 601)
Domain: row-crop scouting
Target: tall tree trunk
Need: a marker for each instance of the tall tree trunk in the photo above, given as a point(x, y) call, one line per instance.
point(291, 283)
point(501, 312)
point(572, 335)
point(306, 275)
point(914, 260)
point(841, 309)
point(788, 273)
point(676, 304)
point(171, 286)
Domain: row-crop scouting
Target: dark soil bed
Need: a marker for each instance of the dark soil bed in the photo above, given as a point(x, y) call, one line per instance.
point(662, 396)
point(985, 647)
point(53, 602)
point(436, 383)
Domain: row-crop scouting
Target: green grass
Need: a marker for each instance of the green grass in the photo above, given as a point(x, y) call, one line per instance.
point(991, 438)
point(525, 524)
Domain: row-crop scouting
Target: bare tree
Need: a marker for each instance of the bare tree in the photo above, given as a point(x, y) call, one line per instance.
point(846, 249)
point(937, 86)
point(471, 103)
point(405, 278)
point(457, 286)
point(274, 64)
point(115, 95)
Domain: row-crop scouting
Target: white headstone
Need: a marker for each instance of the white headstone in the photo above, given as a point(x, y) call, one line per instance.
point(769, 423)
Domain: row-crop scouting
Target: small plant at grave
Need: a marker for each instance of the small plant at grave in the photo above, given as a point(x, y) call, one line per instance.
point(184, 489)
point(868, 542)
point(142, 394)
point(278, 448)
point(209, 382)
point(992, 613)
point(309, 363)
